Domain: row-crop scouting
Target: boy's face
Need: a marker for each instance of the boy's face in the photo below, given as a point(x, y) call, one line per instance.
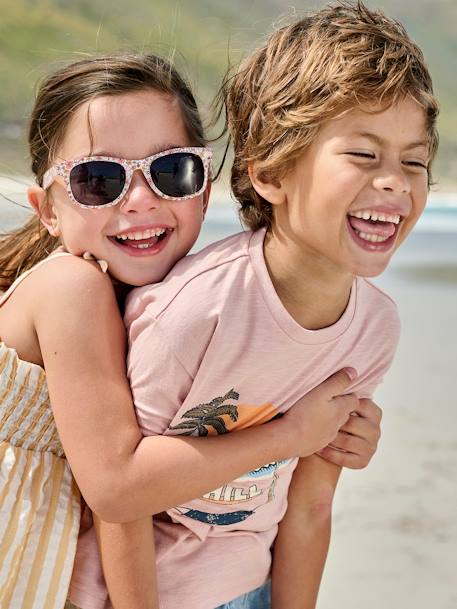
point(355, 194)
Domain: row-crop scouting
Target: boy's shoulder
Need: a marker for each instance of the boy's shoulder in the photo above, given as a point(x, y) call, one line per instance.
point(196, 278)
point(375, 307)
point(375, 293)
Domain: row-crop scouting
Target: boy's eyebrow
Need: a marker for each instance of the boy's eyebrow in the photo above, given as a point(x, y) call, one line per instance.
point(379, 140)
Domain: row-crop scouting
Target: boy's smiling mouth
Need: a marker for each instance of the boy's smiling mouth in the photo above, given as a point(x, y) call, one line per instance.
point(373, 230)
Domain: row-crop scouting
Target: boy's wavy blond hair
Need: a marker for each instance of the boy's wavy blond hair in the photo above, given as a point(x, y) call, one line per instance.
point(342, 56)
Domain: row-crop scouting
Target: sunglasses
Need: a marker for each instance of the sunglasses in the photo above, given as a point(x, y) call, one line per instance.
point(102, 181)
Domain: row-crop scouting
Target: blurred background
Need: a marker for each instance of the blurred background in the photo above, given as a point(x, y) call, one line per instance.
point(395, 533)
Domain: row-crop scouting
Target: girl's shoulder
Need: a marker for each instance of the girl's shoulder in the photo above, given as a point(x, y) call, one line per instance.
point(59, 296)
point(69, 278)
point(76, 304)
point(71, 272)
point(70, 286)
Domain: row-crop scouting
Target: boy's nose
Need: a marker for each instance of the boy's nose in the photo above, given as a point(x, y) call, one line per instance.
point(392, 179)
point(140, 197)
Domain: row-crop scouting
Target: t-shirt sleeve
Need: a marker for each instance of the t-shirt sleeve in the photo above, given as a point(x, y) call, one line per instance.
point(158, 379)
point(368, 389)
point(383, 346)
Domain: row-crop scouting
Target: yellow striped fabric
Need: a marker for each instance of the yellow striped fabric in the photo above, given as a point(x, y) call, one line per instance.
point(39, 500)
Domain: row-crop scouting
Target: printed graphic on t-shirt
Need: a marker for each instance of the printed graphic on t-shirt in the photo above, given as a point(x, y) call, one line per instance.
point(256, 488)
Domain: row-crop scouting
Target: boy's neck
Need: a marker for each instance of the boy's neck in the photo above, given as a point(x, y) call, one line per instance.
point(313, 290)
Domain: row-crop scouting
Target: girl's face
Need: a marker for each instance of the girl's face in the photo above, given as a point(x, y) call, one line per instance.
point(130, 126)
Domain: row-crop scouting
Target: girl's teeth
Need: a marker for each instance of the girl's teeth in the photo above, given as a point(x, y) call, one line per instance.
point(153, 232)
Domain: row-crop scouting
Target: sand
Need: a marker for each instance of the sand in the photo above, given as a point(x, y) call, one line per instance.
point(395, 534)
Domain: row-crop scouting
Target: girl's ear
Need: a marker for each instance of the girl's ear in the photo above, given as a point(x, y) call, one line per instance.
point(44, 209)
point(269, 188)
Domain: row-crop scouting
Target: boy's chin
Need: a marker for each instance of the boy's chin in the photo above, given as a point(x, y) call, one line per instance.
point(371, 272)
point(372, 269)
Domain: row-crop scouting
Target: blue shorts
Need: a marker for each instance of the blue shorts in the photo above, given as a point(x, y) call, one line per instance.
point(260, 598)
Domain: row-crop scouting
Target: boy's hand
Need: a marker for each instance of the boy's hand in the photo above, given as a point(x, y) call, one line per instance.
point(357, 440)
point(315, 420)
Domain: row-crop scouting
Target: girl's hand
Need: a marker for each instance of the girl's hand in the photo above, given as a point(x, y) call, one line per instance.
point(316, 419)
point(357, 441)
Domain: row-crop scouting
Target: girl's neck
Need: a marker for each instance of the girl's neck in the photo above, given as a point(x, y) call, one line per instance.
point(121, 290)
point(313, 290)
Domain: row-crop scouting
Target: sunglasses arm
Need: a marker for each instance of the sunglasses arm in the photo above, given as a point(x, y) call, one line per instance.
point(49, 176)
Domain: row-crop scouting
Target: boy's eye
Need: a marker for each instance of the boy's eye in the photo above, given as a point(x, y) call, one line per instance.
point(361, 154)
point(418, 164)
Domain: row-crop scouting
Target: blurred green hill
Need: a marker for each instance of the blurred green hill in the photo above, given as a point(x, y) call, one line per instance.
point(39, 35)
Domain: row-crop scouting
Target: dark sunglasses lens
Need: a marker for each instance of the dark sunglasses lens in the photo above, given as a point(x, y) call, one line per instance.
point(97, 183)
point(178, 174)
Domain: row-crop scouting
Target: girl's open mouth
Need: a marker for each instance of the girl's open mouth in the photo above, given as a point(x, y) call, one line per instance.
point(142, 242)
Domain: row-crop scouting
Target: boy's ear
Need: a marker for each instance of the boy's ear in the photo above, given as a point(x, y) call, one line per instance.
point(269, 188)
point(44, 209)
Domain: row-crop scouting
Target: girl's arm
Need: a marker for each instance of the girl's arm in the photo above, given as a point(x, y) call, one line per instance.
point(122, 475)
point(128, 561)
point(301, 546)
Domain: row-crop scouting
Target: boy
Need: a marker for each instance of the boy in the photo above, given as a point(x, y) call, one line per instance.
point(333, 126)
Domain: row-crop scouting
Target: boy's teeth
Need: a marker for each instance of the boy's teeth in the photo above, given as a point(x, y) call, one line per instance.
point(372, 238)
point(146, 234)
point(375, 216)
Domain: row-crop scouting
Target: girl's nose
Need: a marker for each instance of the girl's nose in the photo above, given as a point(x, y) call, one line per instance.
point(140, 197)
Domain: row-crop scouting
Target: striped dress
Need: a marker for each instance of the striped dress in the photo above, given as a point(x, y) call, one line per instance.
point(39, 500)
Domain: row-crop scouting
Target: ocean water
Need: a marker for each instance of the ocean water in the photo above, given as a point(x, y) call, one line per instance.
point(432, 246)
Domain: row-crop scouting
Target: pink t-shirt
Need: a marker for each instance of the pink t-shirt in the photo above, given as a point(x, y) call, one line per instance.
point(212, 349)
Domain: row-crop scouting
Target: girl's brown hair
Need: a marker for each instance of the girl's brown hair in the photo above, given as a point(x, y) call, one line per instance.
point(342, 56)
point(59, 96)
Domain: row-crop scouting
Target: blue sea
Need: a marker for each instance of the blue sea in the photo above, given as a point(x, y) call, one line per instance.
point(432, 245)
point(432, 242)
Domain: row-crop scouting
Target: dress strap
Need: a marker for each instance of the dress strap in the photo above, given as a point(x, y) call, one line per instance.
point(4, 297)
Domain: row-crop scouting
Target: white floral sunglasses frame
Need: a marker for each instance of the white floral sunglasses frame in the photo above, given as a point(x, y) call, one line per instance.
point(130, 165)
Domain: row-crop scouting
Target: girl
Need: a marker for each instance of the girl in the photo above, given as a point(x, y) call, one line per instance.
point(59, 313)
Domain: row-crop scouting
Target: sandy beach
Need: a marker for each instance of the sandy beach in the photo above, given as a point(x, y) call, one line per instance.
point(395, 534)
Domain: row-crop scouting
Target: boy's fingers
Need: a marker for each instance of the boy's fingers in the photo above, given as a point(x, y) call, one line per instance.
point(340, 381)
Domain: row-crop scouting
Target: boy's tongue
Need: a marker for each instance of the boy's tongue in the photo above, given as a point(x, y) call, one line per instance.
point(372, 227)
